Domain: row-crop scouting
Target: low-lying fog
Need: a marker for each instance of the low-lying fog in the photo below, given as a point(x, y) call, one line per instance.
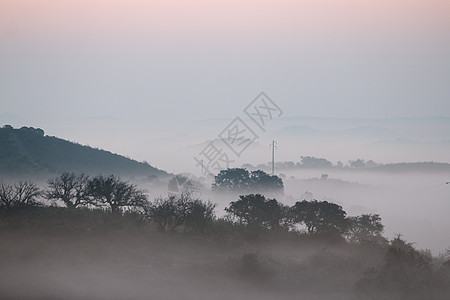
point(415, 205)
point(46, 263)
point(148, 266)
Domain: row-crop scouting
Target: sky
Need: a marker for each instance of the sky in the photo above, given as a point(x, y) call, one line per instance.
point(82, 69)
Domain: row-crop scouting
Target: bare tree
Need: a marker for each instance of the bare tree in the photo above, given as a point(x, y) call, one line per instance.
point(6, 195)
point(69, 188)
point(169, 213)
point(18, 195)
point(173, 212)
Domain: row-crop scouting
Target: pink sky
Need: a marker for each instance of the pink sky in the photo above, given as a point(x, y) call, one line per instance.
point(231, 17)
point(348, 57)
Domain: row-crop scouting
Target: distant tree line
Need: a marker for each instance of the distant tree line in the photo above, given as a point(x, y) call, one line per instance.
point(310, 162)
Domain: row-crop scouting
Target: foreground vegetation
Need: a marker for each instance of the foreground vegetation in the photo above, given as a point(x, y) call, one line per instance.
point(101, 237)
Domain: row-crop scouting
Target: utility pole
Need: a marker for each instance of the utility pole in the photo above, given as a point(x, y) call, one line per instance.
point(273, 145)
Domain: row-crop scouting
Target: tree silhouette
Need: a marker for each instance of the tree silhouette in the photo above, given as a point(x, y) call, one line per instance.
point(69, 188)
point(256, 212)
point(116, 194)
point(261, 182)
point(242, 181)
point(201, 215)
point(174, 211)
point(18, 195)
point(320, 217)
point(365, 228)
point(236, 179)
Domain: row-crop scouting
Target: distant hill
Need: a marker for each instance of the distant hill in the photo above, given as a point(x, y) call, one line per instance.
point(414, 167)
point(28, 151)
point(356, 165)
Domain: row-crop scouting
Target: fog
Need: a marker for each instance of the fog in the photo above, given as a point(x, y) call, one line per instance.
point(414, 205)
point(159, 81)
point(117, 266)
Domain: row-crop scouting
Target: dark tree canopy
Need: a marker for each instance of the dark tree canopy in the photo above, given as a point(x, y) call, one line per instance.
point(242, 181)
point(261, 182)
point(365, 228)
point(320, 217)
point(256, 212)
point(236, 179)
point(114, 193)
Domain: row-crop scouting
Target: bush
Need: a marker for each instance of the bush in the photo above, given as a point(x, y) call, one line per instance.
point(406, 273)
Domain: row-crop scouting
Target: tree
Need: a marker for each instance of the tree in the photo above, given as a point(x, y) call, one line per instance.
point(173, 212)
point(236, 179)
point(320, 217)
point(116, 194)
point(201, 215)
point(256, 212)
point(18, 195)
point(365, 228)
point(277, 215)
point(261, 182)
point(242, 181)
point(167, 213)
point(313, 162)
point(69, 188)
point(406, 272)
point(359, 163)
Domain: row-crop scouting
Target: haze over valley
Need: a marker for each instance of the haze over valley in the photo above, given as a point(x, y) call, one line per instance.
point(269, 149)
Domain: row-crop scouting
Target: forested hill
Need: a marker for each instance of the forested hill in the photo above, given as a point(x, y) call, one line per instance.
point(28, 151)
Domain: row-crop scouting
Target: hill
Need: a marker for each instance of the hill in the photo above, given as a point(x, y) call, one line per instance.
point(309, 162)
point(28, 151)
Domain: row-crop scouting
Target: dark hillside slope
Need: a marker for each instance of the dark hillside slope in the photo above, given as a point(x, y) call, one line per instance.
point(28, 151)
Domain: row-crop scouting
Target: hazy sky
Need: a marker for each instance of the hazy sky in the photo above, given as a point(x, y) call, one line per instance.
point(204, 58)
point(174, 62)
